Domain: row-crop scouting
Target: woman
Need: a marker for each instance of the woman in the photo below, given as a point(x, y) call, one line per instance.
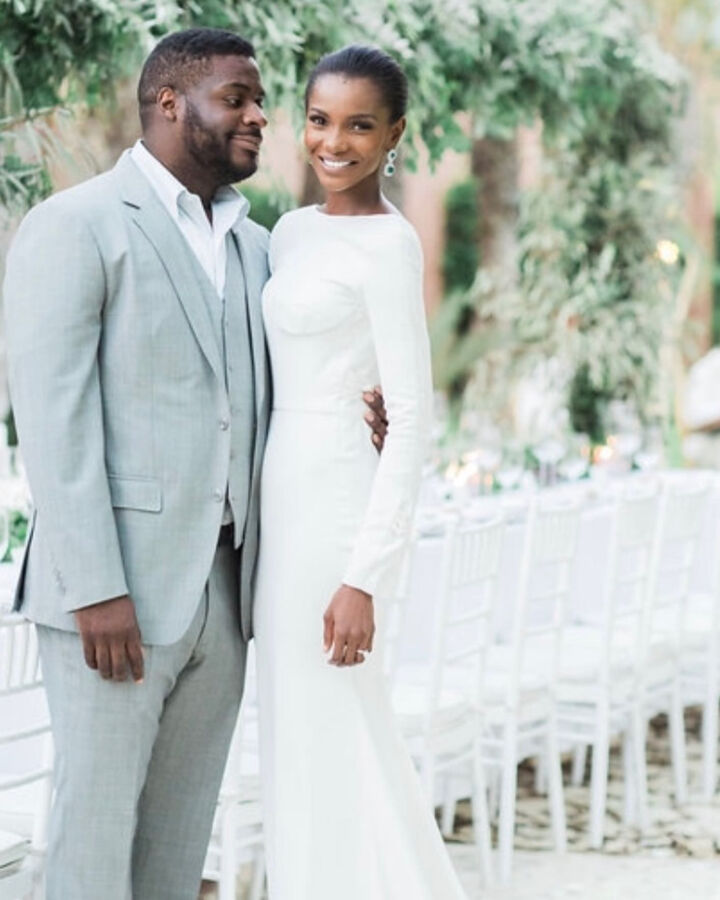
point(345, 813)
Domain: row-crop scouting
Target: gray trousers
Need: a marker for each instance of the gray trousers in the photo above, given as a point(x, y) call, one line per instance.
point(139, 766)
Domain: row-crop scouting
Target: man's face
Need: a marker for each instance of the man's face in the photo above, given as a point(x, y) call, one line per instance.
point(222, 119)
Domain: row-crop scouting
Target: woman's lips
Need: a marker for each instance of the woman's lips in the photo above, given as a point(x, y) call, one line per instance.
point(335, 165)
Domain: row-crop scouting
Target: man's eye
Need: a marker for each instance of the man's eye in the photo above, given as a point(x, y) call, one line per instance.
point(233, 101)
point(260, 102)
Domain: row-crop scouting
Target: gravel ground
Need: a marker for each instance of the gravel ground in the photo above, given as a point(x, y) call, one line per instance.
point(677, 859)
point(595, 876)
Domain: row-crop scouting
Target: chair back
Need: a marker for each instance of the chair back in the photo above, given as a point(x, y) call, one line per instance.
point(631, 559)
point(462, 630)
point(543, 598)
point(25, 742)
point(683, 507)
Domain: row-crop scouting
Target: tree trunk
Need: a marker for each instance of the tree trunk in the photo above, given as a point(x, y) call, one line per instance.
point(495, 164)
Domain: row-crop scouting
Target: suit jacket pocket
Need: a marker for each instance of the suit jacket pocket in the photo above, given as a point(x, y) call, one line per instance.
point(135, 492)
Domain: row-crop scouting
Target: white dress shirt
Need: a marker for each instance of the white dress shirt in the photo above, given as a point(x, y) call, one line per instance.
point(206, 239)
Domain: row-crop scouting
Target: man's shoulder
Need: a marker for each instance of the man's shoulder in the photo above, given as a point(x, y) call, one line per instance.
point(84, 202)
point(254, 234)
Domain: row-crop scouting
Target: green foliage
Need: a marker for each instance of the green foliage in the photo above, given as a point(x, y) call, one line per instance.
point(590, 290)
point(266, 206)
point(586, 402)
point(11, 430)
point(54, 54)
point(461, 257)
point(18, 532)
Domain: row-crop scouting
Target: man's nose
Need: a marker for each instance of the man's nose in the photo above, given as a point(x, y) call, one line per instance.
point(253, 115)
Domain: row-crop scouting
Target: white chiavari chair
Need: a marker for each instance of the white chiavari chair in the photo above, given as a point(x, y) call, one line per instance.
point(665, 635)
point(440, 705)
point(599, 658)
point(699, 661)
point(25, 755)
point(520, 714)
point(700, 652)
point(237, 837)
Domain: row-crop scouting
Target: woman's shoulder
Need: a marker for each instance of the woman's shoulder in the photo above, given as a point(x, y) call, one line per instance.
point(292, 217)
point(395, 237)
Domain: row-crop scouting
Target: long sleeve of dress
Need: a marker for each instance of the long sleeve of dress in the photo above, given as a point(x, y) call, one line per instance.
point(394, 302)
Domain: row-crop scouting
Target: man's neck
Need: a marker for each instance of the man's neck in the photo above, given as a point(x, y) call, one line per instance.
point(195, 182)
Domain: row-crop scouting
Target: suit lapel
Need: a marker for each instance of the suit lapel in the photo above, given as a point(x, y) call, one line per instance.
point(255, 272)
point(153, 220)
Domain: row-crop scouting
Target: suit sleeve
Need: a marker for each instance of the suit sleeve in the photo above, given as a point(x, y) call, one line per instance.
point(394, 302)
point(54, 295)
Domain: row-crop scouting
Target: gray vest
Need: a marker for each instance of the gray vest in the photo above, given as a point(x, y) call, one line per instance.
point(232, 331)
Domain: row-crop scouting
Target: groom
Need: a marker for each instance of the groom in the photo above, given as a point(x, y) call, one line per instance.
point(141, 392)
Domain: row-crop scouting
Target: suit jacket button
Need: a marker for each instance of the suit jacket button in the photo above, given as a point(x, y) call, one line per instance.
point(218, 495)
point(224, 424)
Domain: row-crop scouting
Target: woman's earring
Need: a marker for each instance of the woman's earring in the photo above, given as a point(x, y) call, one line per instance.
point(389, 169)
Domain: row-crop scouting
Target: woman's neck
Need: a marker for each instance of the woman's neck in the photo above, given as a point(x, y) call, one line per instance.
point(366, 200)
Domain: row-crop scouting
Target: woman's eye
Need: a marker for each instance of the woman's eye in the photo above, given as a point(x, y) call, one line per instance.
point(361, 126)
point(316, 120)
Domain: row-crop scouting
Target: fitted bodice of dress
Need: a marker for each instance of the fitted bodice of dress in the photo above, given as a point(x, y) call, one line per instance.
point(316, 321)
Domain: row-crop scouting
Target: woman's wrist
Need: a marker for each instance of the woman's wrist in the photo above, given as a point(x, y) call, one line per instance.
point(360, 591)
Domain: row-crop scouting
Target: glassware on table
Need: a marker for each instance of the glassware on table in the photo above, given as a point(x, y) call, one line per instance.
point(512, 466)
point(488, 454)
point(576, 462)
point(651, 453)
point(548, 453)
point(624, 431)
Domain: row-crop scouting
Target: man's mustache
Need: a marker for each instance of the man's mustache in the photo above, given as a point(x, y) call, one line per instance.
point(253, 133)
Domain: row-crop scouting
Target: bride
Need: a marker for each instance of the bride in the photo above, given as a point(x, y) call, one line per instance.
point(345, 813)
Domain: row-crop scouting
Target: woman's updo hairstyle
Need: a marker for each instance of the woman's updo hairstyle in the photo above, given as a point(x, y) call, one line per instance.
point(359, 61)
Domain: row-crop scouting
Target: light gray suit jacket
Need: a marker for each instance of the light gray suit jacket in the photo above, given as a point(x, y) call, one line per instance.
point(119, 394)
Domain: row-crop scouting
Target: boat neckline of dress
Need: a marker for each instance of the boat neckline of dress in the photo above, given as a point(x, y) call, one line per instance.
point(388, 215)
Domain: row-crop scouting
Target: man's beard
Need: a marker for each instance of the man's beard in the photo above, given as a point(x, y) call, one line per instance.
point(209, 151)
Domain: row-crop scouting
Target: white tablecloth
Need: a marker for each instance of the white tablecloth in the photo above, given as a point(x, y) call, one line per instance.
point(588, 575)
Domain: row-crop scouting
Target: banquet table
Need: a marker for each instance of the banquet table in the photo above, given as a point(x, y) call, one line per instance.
point(589, 569)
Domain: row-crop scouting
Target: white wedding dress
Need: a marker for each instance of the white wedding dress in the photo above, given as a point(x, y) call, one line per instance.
point(344, 810)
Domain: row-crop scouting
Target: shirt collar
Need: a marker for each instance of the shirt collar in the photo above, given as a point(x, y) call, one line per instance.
point(229, 206)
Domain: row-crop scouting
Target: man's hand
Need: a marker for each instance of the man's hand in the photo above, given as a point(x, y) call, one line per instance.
point(349, 626)
point(111, 639)
point(376, 416)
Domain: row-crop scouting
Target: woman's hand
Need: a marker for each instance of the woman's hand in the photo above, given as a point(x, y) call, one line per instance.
point(349, 626)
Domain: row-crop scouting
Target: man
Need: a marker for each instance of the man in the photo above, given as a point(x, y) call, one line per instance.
point(141, 393)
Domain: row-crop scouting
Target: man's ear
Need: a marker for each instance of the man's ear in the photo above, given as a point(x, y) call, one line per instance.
point(169, 103)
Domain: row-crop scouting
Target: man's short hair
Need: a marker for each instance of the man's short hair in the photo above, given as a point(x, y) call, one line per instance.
point(182, 58)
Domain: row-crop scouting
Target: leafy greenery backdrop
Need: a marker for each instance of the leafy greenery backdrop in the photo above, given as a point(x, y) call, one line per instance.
point(569, 271)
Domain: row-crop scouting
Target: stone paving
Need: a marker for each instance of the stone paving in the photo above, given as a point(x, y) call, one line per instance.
point(678, 858)
point(693, 830)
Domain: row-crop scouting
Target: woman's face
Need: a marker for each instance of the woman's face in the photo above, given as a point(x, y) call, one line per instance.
point(348, 131)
